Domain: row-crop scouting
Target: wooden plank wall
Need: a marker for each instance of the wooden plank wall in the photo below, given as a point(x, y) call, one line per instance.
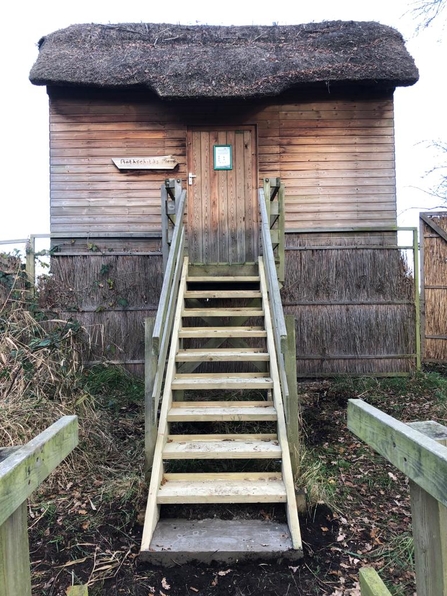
point(434, 286)
point(336, 160)
point(335, 157)
point(88, 192)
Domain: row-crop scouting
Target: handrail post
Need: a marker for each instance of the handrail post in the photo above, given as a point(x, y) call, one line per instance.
point(274, 203)
point(171, 192)
point(429, 521)
point(267, 192)
point(371, 584)
point(164, 226)
point(281, 234)
point(15, 575)
point(292, 407)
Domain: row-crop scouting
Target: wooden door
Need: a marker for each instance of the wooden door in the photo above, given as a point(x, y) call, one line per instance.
point(222, 203)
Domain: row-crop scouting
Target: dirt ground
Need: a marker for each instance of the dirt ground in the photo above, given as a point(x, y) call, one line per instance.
point(362, 515)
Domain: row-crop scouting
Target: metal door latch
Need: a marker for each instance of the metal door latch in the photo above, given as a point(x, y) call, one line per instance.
point(190, 177)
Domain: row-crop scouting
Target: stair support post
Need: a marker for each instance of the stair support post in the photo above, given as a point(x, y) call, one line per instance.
point(150, 415)
point(291, 406)
point(287, 471)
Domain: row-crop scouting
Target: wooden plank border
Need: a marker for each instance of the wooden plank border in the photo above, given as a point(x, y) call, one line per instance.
point(419, 457)
point(23, 471)
point(371, 584)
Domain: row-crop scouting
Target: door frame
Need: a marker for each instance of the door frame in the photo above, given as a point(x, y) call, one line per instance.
point(254, 175)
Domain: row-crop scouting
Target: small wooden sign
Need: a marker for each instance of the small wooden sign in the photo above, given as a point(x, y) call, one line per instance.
point(158, 162)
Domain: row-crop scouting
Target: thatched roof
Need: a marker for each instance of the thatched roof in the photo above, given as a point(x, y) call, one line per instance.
point(181, 61)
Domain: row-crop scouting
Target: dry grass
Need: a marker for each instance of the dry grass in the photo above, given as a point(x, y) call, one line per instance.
point(101, 483)
point(110, 295)
point(42, 378)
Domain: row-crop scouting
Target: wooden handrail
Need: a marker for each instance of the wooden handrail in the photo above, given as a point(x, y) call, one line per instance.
point(283, 328)
point(158, 330)
point(175, 254)
point(272, 278)
point(278, 320)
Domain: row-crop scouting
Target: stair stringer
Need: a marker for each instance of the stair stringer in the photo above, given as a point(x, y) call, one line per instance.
point(152, 508)
point(291, 507)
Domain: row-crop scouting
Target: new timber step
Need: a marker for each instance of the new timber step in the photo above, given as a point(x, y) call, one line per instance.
point(222, 270)
point(223, 355)
point(226, 411)
point(223, 294)
point(207, 332)
point(178, 541)
point(229, 446)
point(229, 487)
point(222, 381)
point(245, 279)
point(243, 311)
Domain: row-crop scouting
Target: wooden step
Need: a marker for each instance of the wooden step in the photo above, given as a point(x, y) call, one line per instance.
point(221, 269)
point(223, 355)
point(223, 294)
point(207, 332)
point(222, 411)
point(222, 381)
point(175, 542)
point(241, 446)
point(223, 312)
point(246, 279)
point(226, 487)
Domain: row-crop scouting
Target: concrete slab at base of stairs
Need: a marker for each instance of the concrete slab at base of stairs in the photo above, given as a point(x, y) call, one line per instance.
point(228, 541)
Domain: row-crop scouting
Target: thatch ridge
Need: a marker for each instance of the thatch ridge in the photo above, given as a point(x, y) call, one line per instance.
point(182, 61)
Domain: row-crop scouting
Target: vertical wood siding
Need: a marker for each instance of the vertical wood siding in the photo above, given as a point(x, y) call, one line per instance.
point(222, 205)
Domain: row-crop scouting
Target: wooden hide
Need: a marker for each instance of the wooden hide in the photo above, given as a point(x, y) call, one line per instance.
point(334, 154)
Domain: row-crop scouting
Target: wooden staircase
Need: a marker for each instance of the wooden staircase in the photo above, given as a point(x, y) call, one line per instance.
point(222, 434)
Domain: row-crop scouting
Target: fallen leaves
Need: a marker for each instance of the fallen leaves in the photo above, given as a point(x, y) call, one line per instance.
point(164, 584)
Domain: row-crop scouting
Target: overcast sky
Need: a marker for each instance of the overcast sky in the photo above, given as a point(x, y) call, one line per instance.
point(420, 110)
